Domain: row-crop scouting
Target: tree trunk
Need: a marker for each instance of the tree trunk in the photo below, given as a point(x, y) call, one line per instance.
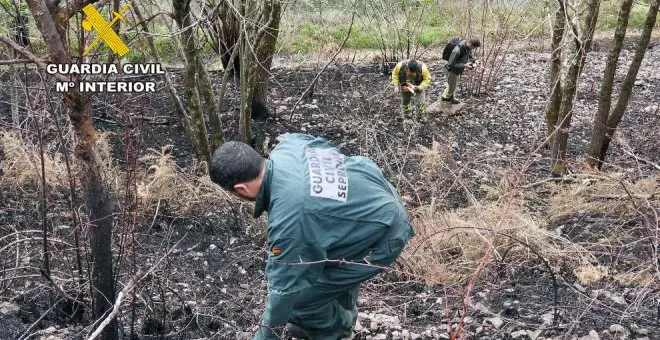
point(590, 19)
point(227, 30)
point(197, 125)
point(247, 86)
point(21, 34)
point(205, 86)
point(97, 200)
point(14, 96)
point(116, 28)
point(552, 111)
point(582, 43)
point(605, 96)
point(622, 103)
point(91, 174)
point(272, 13)
point(256, 52)
point(180, 109)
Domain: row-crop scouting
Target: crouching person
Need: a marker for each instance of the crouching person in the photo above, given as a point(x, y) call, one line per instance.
point(333, 222)
point(411, 78)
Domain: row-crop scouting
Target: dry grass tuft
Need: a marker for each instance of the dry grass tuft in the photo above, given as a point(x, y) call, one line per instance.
point(432, 159)
point(22, 164)
point(613, 196)
point(183, 190)
point(642, 278)
point(160, 179)
point(449, 245)
point(587, 273)
point(501, 187)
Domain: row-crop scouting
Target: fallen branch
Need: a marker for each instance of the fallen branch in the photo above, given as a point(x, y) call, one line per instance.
point(565, 179)
point(643, 160)
point(311, 85)
point(27, 54)
point(127, 289)
point(115, 309)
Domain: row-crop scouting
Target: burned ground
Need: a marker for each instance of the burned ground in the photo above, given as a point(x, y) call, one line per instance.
point(210, 280)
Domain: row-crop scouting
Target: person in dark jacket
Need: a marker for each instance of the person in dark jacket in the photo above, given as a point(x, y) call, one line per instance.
point(460, 59)
point(333, 222)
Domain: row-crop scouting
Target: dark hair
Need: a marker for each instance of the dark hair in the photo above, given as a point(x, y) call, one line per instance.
point(233, 163)
point(413, 66)
point(474, 42)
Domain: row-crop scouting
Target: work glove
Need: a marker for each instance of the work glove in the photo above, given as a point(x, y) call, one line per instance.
point(397, 89)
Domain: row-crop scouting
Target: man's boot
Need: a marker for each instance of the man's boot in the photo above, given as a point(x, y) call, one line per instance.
point(297, 332)
point(454, 101)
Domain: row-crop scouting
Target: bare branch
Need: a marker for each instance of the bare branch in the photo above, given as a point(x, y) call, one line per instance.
point(16, 61)
point(71, 10)
point(643, 160)
point(31, 57)
point(115, 309)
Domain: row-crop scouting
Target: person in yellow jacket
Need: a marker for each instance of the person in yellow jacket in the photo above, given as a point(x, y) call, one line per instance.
point(411, 78)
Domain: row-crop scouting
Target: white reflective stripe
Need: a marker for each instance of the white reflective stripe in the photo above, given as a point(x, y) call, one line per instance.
point(327, 174)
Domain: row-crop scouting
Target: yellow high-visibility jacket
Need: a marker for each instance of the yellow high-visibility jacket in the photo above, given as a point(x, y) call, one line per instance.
point(422, 80)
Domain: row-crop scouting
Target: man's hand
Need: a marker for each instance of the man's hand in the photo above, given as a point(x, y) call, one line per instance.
point(410, 88)
point(477, 64)
point(397, 89)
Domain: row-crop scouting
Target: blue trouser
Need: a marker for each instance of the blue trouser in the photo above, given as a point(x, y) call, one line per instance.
point(328, 309)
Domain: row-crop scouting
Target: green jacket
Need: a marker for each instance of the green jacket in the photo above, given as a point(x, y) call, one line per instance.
point(321, 205)
point(458, 58)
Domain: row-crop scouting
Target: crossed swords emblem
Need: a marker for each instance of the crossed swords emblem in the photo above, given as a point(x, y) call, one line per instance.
point(94, 21)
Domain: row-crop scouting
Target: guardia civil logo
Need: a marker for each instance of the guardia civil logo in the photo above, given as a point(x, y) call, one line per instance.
point(94, 21)
point(86, 77)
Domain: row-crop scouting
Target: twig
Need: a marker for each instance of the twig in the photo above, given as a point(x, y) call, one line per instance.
point(23, 336)
point(61, 291)
point(643, 160)
point(109, 121)
point(27, 54)
point(115, 308)
point(17, 61)
point(552, 179)
point(129, 287)
point(348, 35)
point(438, 281)
point(632, 200)
point(565, 179)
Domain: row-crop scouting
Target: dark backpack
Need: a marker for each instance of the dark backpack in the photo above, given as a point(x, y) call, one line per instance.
point(446, 53)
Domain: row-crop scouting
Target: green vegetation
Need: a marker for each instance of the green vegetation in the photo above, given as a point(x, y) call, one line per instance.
point(430, 36)
point(318, 25)
point(386, 25)
point(609, 15)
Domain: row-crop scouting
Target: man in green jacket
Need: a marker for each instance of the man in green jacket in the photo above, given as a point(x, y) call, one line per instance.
point(333, 222)
point(460, 59)
point(411, 78)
